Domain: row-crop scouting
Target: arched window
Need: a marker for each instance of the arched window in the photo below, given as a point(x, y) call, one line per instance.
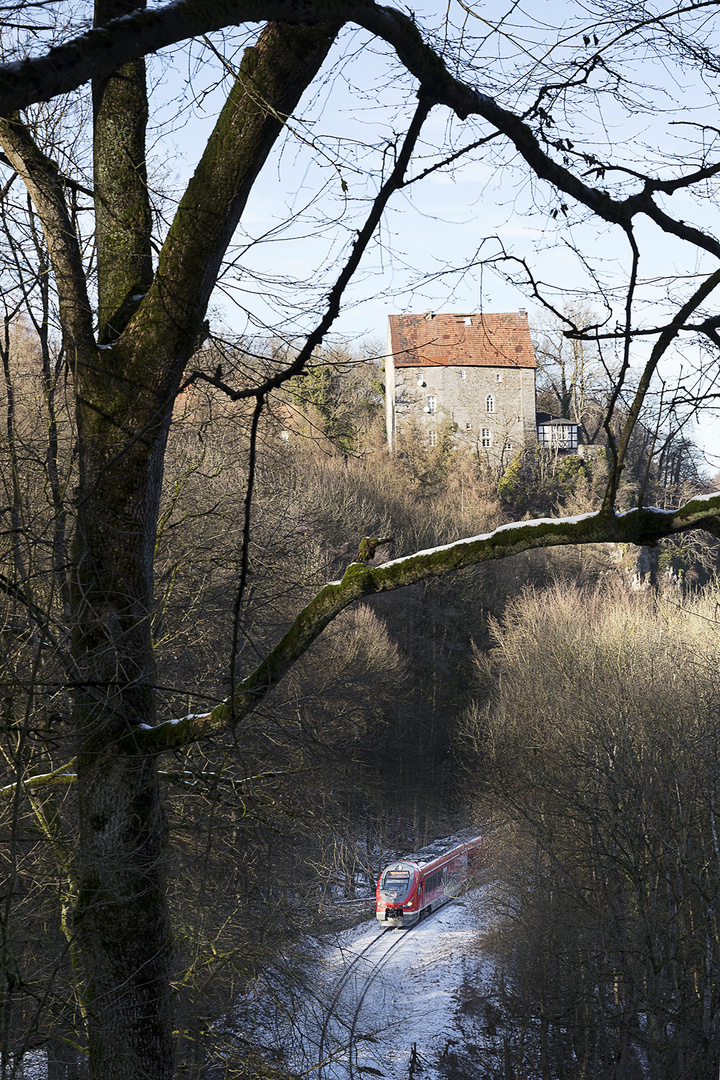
point(490, 403)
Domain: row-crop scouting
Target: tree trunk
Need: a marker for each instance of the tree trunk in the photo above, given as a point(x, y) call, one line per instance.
point(121, 916)
point(124, 396)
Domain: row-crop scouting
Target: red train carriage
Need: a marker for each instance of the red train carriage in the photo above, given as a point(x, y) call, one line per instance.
point(413, 887)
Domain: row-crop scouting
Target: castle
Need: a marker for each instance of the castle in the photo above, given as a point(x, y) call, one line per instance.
point(472, 375)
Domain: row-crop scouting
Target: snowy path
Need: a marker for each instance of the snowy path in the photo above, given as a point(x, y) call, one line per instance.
point(383, 1003)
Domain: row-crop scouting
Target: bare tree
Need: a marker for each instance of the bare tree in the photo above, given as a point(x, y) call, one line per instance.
point(596, 736)
point(130, 354)
point(573, 375)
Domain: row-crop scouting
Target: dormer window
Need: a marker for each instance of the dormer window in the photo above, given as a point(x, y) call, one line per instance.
point(490, 403)
point(468, 320)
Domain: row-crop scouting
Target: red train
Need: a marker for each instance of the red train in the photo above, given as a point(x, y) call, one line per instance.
point(413, 887)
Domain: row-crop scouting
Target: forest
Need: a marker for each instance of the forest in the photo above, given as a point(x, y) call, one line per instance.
point(472, 699)
point(246, 653)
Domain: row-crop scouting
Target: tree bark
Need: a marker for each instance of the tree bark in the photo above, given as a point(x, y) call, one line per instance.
point(124, 396)
point(121, 918)
point(123, 219)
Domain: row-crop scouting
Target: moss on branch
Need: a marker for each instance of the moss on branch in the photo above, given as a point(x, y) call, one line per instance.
point(61, 777)
point(640, 526)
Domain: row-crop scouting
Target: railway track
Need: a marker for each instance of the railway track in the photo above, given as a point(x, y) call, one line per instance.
point(329, 1011)
point(371, 972)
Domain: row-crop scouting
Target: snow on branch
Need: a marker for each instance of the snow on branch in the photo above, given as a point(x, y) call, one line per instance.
point(58, 778)
point(641, 526)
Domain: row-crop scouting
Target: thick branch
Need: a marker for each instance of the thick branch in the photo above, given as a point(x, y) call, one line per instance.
point(102, 50)
point(272, 78)
point(640, 526)
point(123, 221)
point(58, 778)
point(46, 188)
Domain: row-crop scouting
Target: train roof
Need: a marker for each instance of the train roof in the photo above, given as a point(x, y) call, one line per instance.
point(440, 848)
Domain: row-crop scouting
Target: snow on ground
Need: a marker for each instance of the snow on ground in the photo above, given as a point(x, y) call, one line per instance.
point(371, 1002)
point(381, 1003)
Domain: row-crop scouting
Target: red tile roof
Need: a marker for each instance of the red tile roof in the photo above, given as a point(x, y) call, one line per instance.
point(501, 340)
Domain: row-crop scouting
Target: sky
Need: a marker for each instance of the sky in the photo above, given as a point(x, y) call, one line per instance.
point(440, 241)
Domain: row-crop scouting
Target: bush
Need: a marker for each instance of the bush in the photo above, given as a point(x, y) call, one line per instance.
point(599, 737)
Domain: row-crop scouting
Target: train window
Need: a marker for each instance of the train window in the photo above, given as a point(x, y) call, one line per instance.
point(396, 883)
point(433, 881)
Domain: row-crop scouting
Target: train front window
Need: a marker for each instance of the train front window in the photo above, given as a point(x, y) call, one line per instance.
point(395, 884)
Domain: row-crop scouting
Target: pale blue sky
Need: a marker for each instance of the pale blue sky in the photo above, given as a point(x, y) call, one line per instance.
point(300, 219)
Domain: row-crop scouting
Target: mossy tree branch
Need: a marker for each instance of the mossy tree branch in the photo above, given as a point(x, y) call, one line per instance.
point(644, 526)
point(123, 220)
point(272, 77)
point(647, 525)
point(61, 777)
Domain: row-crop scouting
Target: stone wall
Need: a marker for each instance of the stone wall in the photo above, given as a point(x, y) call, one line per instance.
point(491, 410)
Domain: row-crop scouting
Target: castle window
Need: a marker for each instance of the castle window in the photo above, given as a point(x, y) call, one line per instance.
point(498, 376)
point(490, 403)
point(432, 438)
point(468, 426)
point(463, 373)
point(486, 437)
point(420, 380)
point(431, 404)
